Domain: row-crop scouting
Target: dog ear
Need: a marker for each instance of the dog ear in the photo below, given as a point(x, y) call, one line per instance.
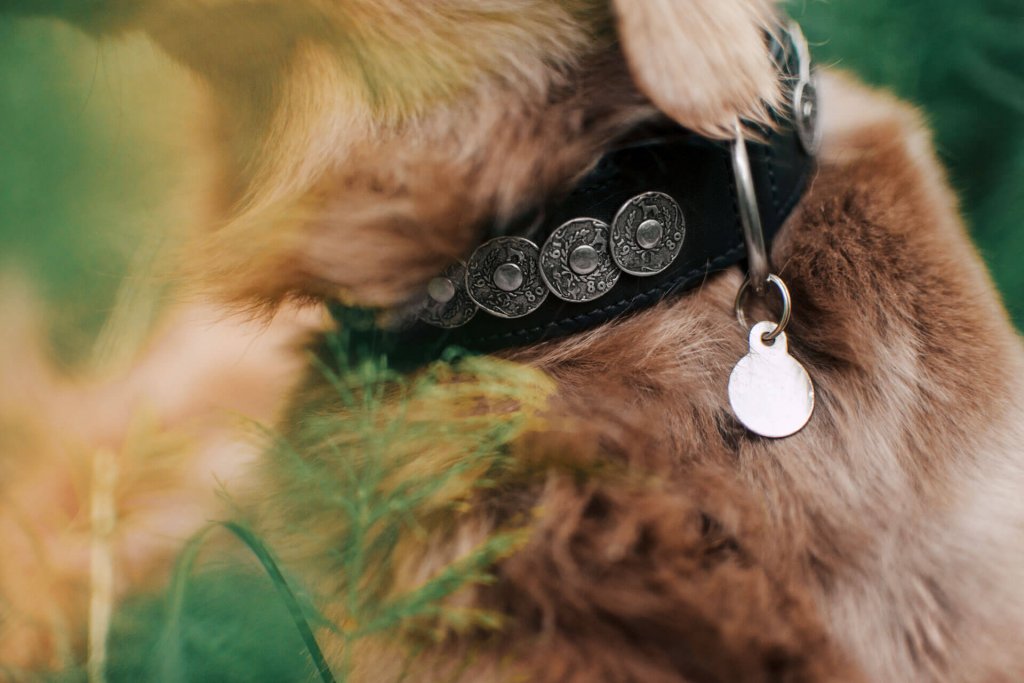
point(702, 62)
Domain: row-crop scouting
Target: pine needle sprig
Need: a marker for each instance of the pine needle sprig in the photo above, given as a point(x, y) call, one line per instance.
point(380, 465)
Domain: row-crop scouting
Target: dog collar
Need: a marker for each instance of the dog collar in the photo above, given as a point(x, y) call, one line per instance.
point(654, 218)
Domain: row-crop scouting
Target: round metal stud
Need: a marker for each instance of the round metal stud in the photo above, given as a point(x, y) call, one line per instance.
point(805, 115)
point(575, 262)
point(647, 234)
point(447, 303)
point(508, 277)
point(584, 260)
point(503, 277)
point(441, 290)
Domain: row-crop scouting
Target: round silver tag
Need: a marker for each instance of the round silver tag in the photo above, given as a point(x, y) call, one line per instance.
point(769, 390)
point(805, 115)
point(503, 277)
point(575, 262)
point(447, 303)
point(647, 234)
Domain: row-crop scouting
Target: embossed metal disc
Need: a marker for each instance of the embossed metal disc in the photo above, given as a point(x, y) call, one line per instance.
point(805, 115)
point(575, 262)
point(447, 303)
point(503, 277)
point(647, 234)
point(769, 390)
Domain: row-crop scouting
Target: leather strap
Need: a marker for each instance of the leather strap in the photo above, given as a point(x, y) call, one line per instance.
point(694, 171)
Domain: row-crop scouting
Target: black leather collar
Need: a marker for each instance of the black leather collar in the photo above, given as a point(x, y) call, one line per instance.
point(698, 174)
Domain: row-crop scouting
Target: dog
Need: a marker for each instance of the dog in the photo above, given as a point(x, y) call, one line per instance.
point(368, 146)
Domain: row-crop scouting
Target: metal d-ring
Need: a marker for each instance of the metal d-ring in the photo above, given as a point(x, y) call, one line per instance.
point(804, 104)
point(787, 306)
point(803, 51)
point(750, 216)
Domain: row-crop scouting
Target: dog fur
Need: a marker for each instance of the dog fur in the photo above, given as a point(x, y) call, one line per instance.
point(366, 144)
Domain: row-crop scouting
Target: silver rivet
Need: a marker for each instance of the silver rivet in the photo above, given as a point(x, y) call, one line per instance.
point(441, 290)
point(808, 111)
point(508, 277)
point(584, 260)
point(649, 233)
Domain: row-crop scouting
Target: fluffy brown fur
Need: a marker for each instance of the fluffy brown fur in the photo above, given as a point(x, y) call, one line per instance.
point(367, 144)
point(891, 508)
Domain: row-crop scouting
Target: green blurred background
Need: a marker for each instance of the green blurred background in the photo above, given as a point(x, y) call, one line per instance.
point(94, 160)
point(96, 170)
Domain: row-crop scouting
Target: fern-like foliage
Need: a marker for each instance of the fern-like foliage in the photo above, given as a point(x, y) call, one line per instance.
point(374, 485)
point(367, 522)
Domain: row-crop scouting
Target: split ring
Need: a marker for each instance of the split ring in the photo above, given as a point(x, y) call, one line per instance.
point(787, 306)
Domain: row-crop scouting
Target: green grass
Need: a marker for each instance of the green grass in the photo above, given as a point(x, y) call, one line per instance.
point(232, 628)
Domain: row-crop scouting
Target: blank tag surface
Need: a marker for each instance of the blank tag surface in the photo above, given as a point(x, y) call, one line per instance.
point(769, 390)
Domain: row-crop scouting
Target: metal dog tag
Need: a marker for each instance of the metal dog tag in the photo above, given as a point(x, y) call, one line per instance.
point(769, 390)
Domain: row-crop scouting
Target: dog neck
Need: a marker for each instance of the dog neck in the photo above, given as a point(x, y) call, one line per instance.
point(655, 217)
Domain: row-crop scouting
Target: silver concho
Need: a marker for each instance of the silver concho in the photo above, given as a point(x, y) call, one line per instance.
point(647, 234)
point(447, 304)
point(805, 114)
point(575, 262)
point(503, 277)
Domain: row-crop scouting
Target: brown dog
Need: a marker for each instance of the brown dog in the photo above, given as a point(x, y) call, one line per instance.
point(366, 145)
